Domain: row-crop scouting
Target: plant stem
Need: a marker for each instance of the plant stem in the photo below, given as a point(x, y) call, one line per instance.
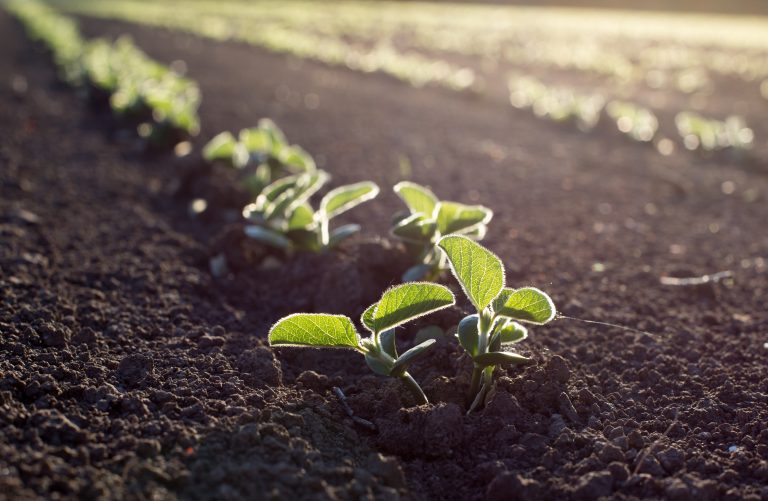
point(477, 372)
point(414, 388)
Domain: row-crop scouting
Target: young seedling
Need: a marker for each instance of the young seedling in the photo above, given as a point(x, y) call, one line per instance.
point(427, 220)
point(499, 309)
point(284, 219)
point(262, 154)
point(397, 306)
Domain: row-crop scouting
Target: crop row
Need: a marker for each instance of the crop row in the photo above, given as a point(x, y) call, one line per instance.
point(614, 44)
point(561, 104)
point(138, 89)
point(282, 178)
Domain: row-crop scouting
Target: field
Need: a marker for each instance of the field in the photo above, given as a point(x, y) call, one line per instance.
point(624, 156)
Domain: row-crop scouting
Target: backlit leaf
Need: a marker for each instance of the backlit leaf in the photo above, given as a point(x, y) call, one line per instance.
point(416, 197)
point(220, 147)
point(453, 217)
point(528, 304)
point(405, 302)
point(343, 198)
point(314, 329)
point(478, 270)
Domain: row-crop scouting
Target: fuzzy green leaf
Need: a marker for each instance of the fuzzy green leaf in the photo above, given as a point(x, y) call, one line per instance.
point(512, 332)
point(478, 270)
point(222, 146)
point(367, 317)
point(416, 228)
point(418, 198)
point(410, 356)
point(315, 329)
point(405, 302)
point(297, 159)
point(255, 140)
point(343, 198)
point(500, 358)
point(528, 304)
point(453, 217)
point(302, 218)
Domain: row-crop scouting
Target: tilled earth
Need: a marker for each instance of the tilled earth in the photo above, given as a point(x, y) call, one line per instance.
point(128, 371)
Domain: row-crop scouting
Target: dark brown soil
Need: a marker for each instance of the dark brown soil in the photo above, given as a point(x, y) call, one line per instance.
point(127, 371)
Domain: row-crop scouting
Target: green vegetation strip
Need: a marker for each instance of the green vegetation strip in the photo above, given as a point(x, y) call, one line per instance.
point(137, 88)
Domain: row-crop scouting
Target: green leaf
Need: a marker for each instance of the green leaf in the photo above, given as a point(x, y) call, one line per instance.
point(453, 217)
point(222, 146)
point(267, 237)
point(343, 198)
point(296, 159)
point(240, 156)
point(512, 332)
point(315, 329)
point(478, 270)
point(388, 344)
point(342, 233)
point(500, 358)
point(367, 317)
point(405, 302)
point(276, 136)
point(468, 334)
point(278, 187)
point(416, 228)
point(256, 140)
point(416, 197)
point(302, 218)
point(528, 304)
point(410, 356)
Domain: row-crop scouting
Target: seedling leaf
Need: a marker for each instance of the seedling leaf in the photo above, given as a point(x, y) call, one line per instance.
point(388, 344)
point(416, 197)
point(405, 302)
point(407, 358)
point(302, 218)
point(378, 366)
point(500, 358)
point(528, 304)
point(468, 335)
point(454, 217)
point(512, 332)
point(478, 270)
point(343, 198)
point(416, 228)
point(267, 236)
point(342, 233)
point(315, 329)
point(220, 147)
point(367, 317)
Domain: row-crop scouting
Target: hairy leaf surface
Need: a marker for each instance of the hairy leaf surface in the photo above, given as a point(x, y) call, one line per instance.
point(314, 329)
point(418, 198)
point(478, 270)
point(408, 301)
point(343, 198)
point(527, 304)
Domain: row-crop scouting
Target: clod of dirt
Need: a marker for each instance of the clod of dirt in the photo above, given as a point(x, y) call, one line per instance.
point(134, 369)
point(260, 367)
point(510, 486)
point(422, 431)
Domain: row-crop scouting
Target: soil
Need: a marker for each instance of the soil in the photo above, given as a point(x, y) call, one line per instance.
point(128, 371)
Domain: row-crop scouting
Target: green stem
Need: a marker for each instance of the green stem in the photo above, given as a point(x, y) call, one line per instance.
point(414, 388)
point(474, 387)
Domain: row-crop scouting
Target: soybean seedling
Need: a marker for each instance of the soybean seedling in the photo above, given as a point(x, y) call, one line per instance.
point(284, 218)
point(427, 220)
point(397, 306)
point(262, 154)
point(483, 335)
